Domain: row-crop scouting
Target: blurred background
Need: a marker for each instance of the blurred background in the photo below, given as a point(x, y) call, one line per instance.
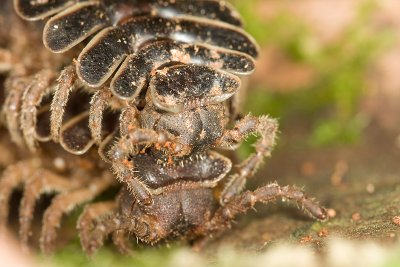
point(330, 72)
point(334, 62)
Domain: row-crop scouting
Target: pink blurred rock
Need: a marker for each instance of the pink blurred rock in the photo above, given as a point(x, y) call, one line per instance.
point(326, 18)
point(11, 254)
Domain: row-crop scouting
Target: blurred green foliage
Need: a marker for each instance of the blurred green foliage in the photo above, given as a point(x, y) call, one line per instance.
point(73, 256)
point(393, 261)
point(331, 104)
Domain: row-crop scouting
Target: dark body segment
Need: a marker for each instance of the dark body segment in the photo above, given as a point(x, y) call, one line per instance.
point(112, 45)
point(73, 25)
point(75, 135)
point(205, 168)
point(211, 9)
point(134, 73)
point(37, 9)
point(136, 22)
point(102, 56)
point(186, 209)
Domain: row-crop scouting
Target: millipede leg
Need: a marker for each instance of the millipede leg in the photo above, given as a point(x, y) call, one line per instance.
point(65, 203)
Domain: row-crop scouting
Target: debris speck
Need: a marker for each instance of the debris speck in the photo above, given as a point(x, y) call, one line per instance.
point(323, 233)
point(355, 217)
point(306, 239)
point(396, 220)
point(308, 168)
point(370, 188)
point(341, 168)
point(331, 213)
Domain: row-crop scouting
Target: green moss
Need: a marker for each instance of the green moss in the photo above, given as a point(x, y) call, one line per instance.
point(73, 256)
point(332, 101)
point(282, 30)
point(394, 260)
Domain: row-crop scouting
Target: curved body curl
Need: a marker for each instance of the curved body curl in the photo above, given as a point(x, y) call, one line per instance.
point(151, 83)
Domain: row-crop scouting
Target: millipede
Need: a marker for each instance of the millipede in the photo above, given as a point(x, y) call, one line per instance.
point(136, 94)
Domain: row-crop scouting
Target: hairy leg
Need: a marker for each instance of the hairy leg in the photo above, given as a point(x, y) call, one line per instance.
point(64, 87)
point(31, 99)
point(240, 204)
point(98, 104)
point(41, 182)
point(65, 203)
point(117, 224)
point(267, 129)
point(92, 214)
point(128, 120)
point(269, 193)
point(127, 145)
point(121, 241)
point(106, 145)
point(15, 88)
point(12, 177)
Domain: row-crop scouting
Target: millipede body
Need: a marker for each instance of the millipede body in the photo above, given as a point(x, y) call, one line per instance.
point(138, 95)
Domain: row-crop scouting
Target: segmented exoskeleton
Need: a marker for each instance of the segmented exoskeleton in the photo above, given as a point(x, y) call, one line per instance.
point(152, 86)
point(77, 106)
point(124, 42)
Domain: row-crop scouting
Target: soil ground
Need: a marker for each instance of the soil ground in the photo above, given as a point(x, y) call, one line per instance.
point(359, 184)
